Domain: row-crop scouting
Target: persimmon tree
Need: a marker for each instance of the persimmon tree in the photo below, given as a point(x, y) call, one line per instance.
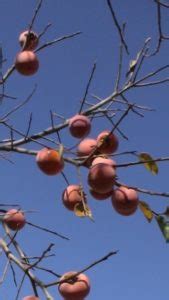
point(82, 150)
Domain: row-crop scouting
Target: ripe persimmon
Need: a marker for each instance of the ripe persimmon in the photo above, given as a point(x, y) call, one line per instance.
point(99, 196)
point(104, 160)
point(74, 289)
point(31, 298)
point(107, 142)
point(101, 178)
point(125, 200)
point(79, 126)
point(28, 40)
point(26, 63)
point(49, 161)
point(72, 195)
point(14, 219)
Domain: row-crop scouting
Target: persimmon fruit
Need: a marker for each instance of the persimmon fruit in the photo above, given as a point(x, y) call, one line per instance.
point(125, 200)
point(31, 298)
point(79, 126)
point(99, 196)
point(28, 40)
point(74, 289)
point(49, 161)
point(14, 219)
point(72, 195)
point(26, 63)
point(103, 160)
point(101, 178)
point(107, 142)
point(85, 148)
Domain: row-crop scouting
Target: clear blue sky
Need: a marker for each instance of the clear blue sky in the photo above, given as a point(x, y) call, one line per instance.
point(140, 269)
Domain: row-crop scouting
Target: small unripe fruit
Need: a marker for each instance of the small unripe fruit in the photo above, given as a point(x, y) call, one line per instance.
point(79, 126)
point(49, 161)
point(107, 142)
point(14, 219)
point(104, 160)
point(125, 201)
point(26, 63)
point(31, 298)
point(76, 289)
point(99, 196)
point(101, 178)
point(72, 195)
point(29, 42)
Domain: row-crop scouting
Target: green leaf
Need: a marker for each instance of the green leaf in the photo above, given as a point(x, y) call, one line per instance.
point(149, 163)
point(164, 226)
point(146, 210)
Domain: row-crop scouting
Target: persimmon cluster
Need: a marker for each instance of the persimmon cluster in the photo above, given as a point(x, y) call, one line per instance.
point(26, 62)
point(96, 156)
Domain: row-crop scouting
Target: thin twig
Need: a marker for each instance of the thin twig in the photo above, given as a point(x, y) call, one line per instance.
point(48, 230)
point(35, 14)
point(29, 126)
point(19, 105)
point(120, 61)
point(117, 25)
point(87, 87)
point(44, 30)
point(84, 269)
point(20, 286)
point(57, 40)
point(144, 191)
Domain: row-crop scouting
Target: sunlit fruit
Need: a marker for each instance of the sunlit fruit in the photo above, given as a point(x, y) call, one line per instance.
point(28, 40)
point(107, 142)
point(103, 160)
point(14, 219)
point(26, 63)
point(72, 195)
point(101, 178)
point(125, 200)
point(99, 196)
point(31, 298)
point(79, 126)
point(49, 161)
point(85, 148)
point(74, 289)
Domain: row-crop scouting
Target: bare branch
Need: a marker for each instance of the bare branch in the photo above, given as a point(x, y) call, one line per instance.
point(57, 41)
point(35, 14)
point(47, 230)
point(84, 269)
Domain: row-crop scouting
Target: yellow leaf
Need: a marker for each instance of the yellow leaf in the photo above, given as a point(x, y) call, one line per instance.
point(132, 67)
point(82, 210)
point(149, 163)
point(61, 149)
point(146, 210)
